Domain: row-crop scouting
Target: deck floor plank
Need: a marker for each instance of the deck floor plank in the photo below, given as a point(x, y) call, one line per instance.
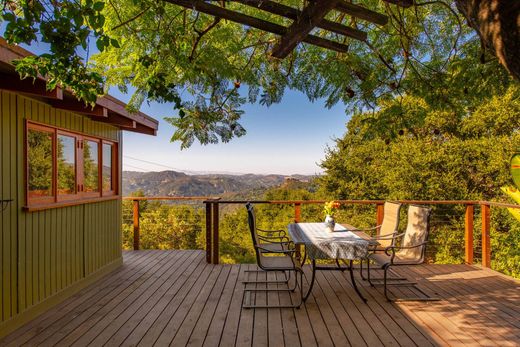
point(144, 260)
point(130, 319)
point(475, 311)
point(191, 305)
point(288, 320)
point(244, 335)
point(85, 333)
point(213, 333)
point(166, 302)
point(175, 298)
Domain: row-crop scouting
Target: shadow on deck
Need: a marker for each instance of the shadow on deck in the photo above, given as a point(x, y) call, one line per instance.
point(174, 297)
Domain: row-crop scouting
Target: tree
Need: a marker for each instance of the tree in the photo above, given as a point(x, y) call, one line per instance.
point(165, 51)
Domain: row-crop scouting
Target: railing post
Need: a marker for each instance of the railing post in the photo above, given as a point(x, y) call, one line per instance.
point(468, 234)
point(486, 239)
point(214, 242)
point(380, 215)
point(297, 212)
point(136, 225)
point(209, 227)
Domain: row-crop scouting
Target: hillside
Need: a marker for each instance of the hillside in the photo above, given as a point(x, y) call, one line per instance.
point(172, 183)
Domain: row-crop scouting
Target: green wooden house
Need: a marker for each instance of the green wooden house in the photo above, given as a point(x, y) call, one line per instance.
point(60, 184)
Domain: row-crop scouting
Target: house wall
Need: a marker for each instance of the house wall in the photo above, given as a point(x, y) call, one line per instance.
point(48, 255)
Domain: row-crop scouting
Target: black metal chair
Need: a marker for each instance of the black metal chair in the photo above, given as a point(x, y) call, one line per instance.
point(281, 259)
point(411, 251)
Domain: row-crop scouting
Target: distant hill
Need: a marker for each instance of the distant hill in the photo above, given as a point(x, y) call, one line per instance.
point(173, 183)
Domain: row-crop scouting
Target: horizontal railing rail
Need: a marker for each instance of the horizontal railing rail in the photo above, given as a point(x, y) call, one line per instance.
point(212, 210)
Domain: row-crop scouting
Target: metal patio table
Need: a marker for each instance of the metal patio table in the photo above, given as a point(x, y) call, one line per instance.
point(344, 243)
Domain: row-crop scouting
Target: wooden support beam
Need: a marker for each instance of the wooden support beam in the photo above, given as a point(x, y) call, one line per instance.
point(217, 11)
point(468, 234)
point(209, 228)
point(136, 225)
point(13, 83)
point(215, 256)
point(308, 20)
point(380, 215)
point(142, 129)
point(486, 238)
point(402, 3)
point(80, 107)
point(117, 106)
point(294, 14)
point(297, 212)
point(361, 13)
point(115, 119)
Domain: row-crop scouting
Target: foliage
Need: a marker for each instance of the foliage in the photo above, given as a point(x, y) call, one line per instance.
point(203, 65)
point(415, 147)
point(66, 26)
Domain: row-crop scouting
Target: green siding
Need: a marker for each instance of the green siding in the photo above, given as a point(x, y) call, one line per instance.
point(45, 252)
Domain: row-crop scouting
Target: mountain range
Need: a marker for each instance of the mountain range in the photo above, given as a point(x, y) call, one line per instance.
point(173, 183)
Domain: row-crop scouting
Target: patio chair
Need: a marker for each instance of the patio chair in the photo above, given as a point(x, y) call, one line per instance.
point(411, 251)
point(388, 232)
point(281, 260)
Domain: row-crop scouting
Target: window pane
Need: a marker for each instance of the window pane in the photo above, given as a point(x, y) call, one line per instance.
point(107, 167)
point(39, 161)
point(66, 164)
point(91, 166)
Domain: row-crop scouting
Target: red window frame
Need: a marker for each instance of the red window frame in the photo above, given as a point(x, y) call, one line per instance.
point(79, 196)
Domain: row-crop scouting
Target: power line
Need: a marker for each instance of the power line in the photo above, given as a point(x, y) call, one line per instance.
point(135, 167)
point(150, 162)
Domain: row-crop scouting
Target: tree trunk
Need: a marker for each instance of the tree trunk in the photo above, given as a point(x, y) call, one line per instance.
point(498, 24)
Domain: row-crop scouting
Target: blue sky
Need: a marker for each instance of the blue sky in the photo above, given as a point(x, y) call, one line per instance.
point(287, 138)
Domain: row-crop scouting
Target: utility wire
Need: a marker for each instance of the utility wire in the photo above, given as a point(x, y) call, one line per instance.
point(150, 162)
point(134, 167)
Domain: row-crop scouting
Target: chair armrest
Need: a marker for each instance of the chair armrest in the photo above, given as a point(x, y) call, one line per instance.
point(288, 251)
point(287, 243)
point(279, 232)
point(393, 248)
point(372, 228)
point(269, 238)
point(386, 237)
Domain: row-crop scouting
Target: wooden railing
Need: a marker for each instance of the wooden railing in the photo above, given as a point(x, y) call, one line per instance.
point(212, 207)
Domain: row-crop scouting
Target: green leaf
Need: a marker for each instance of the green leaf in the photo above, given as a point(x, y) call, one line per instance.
point(98, 6)
point(115, 43)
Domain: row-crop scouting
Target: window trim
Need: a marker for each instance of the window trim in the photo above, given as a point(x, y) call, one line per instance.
point(99, 141)
point(52, 197)
point(79, 197)
point(114, 169)
point(75, 195)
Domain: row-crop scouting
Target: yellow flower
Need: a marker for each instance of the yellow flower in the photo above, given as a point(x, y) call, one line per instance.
point(330, 207)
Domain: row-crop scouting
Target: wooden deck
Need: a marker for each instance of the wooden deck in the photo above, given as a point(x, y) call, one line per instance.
point(175, 298)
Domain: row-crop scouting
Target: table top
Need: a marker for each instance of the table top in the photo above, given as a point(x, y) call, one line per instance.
point(346, 242)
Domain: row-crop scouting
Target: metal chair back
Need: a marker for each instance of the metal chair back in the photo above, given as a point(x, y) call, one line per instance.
point(390, 222)
point(417, 233)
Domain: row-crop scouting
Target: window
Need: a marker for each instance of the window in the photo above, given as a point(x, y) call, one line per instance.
point(91, 166)
point(108, 154)
point(66, 159)
point(65, 166)
point(40, 144)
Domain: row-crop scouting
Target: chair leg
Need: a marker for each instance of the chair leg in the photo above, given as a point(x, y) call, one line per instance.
point(266, 282)
point(296, 305)
point(361, 270)
point(390, 299)
point(396, 276)
point(385, 276)
point(368, 273)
